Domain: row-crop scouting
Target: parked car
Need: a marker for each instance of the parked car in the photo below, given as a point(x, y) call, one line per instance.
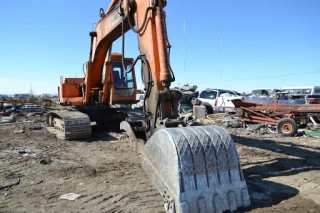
point(32, 111)
point(313, 99)
point(218, 100)
point(309, 99)
point(267, 96)
point(296, 101)
point(29, 105)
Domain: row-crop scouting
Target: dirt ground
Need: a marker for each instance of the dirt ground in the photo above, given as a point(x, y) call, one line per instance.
point(282, 173)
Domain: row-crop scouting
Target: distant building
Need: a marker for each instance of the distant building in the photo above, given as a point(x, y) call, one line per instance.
point(20, 96)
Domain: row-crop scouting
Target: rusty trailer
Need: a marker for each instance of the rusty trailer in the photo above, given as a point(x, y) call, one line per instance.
point(287, 118)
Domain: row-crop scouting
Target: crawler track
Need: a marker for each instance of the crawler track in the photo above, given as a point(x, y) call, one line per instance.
point(67, 124)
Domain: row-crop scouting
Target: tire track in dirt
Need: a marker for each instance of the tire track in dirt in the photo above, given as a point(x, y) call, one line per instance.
point(120, 199)
point(120, 174)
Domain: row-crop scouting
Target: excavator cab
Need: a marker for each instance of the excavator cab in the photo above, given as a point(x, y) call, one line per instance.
point(123, 81)
point(118, 85)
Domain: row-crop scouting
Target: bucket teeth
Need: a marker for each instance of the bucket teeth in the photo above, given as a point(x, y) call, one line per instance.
point(196, 169)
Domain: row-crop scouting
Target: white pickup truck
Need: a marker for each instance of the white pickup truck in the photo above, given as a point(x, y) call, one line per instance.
point(219, 100)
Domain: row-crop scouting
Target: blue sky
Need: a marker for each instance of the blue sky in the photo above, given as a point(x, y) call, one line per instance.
point(238, 45)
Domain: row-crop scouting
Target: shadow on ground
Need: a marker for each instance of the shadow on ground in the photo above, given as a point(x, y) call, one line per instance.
point(99, 135)
point(265, 193)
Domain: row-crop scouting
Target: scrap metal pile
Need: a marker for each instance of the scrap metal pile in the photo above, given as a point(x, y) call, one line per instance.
point(10, 111)
point(189, 93)
point(284, 118)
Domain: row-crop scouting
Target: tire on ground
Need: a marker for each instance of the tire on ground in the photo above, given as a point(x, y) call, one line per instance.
point(209, 108)
point(287, 127)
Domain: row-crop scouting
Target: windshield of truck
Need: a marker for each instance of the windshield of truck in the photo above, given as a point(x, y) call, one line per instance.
point(236, 93)
point(208, 94)
point(229, 93)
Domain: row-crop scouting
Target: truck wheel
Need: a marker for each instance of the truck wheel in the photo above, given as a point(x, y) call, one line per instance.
point(287, 127)
point(209, 110)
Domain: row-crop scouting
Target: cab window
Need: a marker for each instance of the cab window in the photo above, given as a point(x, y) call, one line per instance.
point(208, 94)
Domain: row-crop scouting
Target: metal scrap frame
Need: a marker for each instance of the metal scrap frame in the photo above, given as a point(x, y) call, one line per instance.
point(272, 113)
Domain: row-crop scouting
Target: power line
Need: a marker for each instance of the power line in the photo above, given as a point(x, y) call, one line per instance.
point(221, 53)
point(280, 61)
point(284, 59)
point(254, 78)
point(282, 65)
point(228, 71)
point(184, 39)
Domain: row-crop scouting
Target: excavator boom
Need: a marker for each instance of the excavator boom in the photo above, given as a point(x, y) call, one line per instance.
point(196, 169)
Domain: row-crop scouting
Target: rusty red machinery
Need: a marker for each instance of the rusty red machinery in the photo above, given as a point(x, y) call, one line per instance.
point(286, 117)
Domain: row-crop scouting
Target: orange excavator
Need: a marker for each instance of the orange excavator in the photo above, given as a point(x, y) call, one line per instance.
point(93, 99)
point(195, 168)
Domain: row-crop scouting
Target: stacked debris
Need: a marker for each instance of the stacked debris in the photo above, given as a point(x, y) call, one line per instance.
point(189, 93)
point(9, 112)
point(285, 119)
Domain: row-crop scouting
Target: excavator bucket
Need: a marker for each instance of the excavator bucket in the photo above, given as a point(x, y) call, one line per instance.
point(196, 169)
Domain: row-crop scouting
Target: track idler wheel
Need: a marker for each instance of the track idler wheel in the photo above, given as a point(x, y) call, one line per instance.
point(196, 169)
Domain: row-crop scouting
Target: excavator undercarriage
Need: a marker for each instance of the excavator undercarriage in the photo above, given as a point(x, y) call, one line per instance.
point(66, 124)
point(74, 123)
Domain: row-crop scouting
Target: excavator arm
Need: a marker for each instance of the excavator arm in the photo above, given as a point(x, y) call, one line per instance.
point(108, 29)
point(196, 169)
point(148, 18)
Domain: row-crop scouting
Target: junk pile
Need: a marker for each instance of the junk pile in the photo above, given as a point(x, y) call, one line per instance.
point(189, 93)
point(284, 119)
point(10, 111)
